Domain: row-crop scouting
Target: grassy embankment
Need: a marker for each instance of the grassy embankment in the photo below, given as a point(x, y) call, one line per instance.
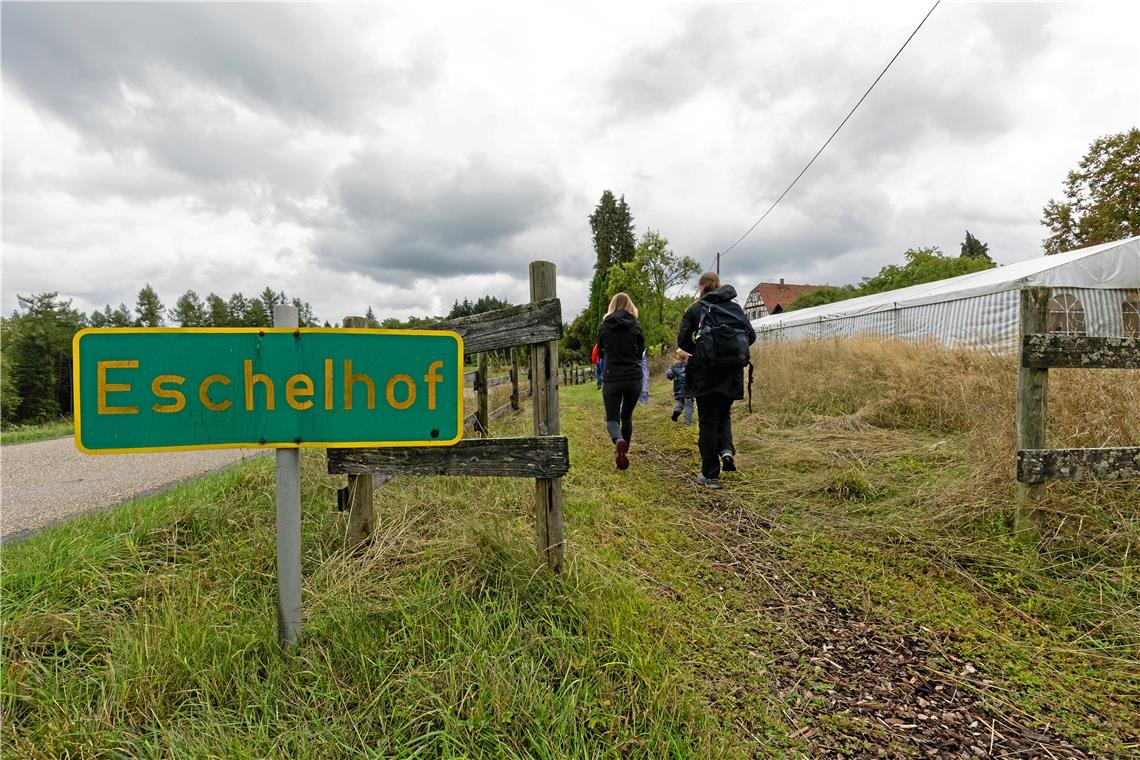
point(30, 433)
point(864, 539)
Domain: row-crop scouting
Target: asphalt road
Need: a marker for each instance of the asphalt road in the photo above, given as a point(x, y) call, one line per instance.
point(49, 481)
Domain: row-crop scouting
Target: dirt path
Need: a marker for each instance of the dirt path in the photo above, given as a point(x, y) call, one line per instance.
point(48, 481)
point(847, 681)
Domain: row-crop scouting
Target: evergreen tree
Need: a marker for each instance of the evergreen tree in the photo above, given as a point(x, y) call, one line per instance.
point(972, 248)
point(9, 393)
point(305, 316)
point(237, 309)
point(255, 314)
point(100, 318)
point(189, 311)
point(217, 315)
point(268, 300)
point(614, 243)
point(121, 317)
point(149, 308)
point(40, 361)
point(370, 318)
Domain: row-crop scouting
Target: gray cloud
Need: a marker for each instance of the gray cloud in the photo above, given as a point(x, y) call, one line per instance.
point(212, 93)
point(76, 59)
point(659, 78)
point(397, 217)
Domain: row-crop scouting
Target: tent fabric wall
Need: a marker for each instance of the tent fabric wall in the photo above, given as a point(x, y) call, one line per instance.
point(979, 309)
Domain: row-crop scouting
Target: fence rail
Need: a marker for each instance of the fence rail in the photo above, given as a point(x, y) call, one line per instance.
point(1037, 464)
point(544, 457)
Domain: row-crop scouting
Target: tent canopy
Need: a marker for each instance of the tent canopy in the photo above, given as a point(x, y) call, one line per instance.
point(1113, 265)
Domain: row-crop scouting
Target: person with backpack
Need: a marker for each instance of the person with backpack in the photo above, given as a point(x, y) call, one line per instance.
point(621, 345)
point(717, 335)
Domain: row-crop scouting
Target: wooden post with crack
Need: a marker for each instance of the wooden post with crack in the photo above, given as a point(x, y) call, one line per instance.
point(544, 400)
point(361, 517)
point(1032, 402)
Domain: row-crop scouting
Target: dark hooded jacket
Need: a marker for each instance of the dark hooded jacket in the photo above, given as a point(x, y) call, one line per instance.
point(621, 343)
point(704, 380)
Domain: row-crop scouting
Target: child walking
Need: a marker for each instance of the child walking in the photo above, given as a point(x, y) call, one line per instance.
point(676, 373)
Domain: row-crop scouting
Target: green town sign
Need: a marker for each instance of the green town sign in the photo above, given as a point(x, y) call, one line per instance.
point(169, 389)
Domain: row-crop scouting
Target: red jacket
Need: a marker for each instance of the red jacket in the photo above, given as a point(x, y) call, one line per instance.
point(594, 355)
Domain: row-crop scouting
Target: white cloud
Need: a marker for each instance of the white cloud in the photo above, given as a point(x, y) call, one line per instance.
point(399, 158)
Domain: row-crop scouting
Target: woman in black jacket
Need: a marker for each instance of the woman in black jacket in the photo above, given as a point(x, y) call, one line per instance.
point(714, 387)
point(621, 344)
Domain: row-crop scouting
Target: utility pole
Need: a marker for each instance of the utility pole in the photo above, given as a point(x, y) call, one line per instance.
point(718, 262)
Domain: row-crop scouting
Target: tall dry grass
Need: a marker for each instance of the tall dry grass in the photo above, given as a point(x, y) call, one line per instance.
point(963, 403)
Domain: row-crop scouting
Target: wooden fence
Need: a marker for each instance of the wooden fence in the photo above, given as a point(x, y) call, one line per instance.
point(1037, 464)
point(544, 457)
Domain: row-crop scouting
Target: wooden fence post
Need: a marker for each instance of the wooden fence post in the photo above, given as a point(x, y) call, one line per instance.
point(482, 415)
point(544, 393)
point(1032, 402)
point(515, 380)
point(361, 517)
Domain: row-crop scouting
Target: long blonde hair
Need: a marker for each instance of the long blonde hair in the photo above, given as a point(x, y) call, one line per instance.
point(622, 301)
point(709, 282)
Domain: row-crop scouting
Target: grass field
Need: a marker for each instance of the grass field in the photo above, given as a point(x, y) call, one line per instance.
point(30, 433)
point(852, 591)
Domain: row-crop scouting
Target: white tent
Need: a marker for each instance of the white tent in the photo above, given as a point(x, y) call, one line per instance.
point(1096, 292)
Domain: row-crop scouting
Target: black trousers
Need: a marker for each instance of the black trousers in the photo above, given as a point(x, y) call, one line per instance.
point(620, 399)
point(714, 432)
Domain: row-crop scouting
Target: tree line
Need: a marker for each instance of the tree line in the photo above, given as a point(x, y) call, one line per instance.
point(928, 264)
point(36, 339)
point(645, 267)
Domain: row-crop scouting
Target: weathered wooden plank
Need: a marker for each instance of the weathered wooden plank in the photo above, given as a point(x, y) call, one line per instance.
point(482, 413)
point(1087, 351)
point(469, 378)
point(538, 457)
point(506, 328)
point(1032, 401)
point(544, 389)
point(514, 378)
point(1040, 465)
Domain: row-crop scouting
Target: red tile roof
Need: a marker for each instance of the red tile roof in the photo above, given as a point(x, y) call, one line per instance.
point(775, 294)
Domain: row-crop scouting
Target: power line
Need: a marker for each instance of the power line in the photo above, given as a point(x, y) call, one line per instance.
point(833, 134)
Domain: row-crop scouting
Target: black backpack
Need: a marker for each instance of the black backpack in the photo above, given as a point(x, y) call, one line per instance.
point(722, 337)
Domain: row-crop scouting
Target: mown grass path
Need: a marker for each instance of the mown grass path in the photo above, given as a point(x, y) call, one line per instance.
point(797, 612)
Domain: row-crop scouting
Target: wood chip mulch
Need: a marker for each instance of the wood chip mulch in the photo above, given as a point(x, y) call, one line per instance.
point(855, 685)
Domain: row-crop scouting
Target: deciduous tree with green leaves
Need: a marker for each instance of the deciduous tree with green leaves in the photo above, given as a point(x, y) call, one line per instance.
point(922, 265)
point(1102, 196)
point(654, 270)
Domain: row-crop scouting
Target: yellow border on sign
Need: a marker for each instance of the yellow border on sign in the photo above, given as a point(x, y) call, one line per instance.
point(259, 331)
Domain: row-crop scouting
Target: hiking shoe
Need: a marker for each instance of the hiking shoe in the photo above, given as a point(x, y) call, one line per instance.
point(707, 482)
point(620, 458)
point(727, 461)
point(676, 415)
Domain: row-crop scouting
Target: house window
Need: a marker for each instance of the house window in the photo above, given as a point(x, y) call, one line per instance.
point(1066, 315)
point(1130, 311)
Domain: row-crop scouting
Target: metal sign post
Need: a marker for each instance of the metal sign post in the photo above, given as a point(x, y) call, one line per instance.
point(288, 494)
point(284, 387)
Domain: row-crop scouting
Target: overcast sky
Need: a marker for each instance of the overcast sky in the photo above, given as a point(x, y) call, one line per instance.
point(400, 158)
